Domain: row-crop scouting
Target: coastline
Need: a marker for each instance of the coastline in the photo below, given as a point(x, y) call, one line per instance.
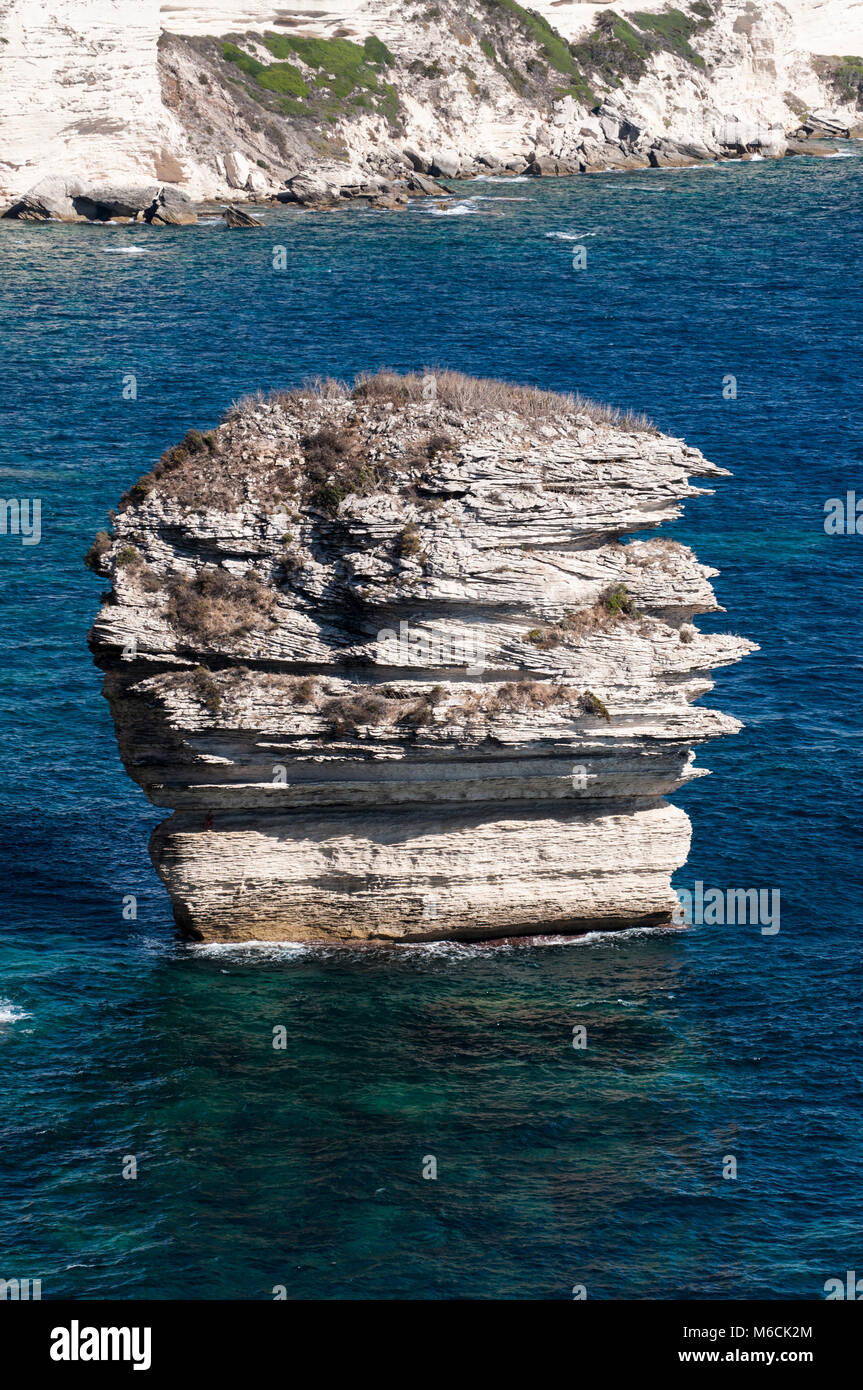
point(318, 190)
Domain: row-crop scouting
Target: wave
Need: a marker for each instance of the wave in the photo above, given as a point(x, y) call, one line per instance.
point(10, 1013)
point(570, 236)
point(127, 251)
point(526, 943)
point(278, 952)
point(465, 208)
point(240, 951)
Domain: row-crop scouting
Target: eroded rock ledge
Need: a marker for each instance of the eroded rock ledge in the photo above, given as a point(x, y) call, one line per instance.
point(384, 655)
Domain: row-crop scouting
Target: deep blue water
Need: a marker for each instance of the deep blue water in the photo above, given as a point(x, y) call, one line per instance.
point(555, 1167)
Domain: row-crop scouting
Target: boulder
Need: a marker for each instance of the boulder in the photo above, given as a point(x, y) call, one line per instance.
point(310, 190)
point(774, 143)
point(71, 201)
point(630, 131)
point(591, 155)
point(237, 168)
point(551, 166)
point(236, 217)
point(618, 157)
point(257, 182)
point(47, 200)
point(422, 186)
point(320, 186)
point(596, 157)
point(173, 208)
point(392, 202)
point(695, 151)
point(417, 160)
point(748, 136)
point(741, 136)
point(102, 202)
point(176, 197)
point(170, 215)
point(666, 155)
point(825, 123)
point(817, 148)
point(444, 165)
point(362, 190)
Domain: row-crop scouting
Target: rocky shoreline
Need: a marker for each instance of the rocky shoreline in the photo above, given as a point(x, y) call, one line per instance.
point(329, 186)
point(382, 653)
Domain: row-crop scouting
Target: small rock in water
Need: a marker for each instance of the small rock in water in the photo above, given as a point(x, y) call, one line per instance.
point(236, 217)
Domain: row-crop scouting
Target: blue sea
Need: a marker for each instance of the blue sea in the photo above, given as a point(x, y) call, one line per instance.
point(556, 1167)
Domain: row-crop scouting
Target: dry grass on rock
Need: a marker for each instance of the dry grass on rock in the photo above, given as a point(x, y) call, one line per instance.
point(215, 606)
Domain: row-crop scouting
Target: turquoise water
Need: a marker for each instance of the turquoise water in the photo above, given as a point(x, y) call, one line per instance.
point(303, 1167)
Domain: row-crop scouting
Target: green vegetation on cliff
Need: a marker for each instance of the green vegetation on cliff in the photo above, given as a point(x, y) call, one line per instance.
point(847, 79)
point(672, 30)
point(319, 78)
point(616, 50)
point(555, 51)
point(619, 49)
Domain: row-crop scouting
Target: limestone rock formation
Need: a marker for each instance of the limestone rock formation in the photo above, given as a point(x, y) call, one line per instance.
point(55, 199)
point(383, 654)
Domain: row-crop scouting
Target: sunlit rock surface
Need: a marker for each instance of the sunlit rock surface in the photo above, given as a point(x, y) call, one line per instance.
point(385, 657)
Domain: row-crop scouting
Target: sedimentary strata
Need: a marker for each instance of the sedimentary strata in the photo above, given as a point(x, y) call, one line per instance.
point(384, 655)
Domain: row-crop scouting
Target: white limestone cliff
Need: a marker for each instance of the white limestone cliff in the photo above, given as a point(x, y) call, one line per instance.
point(89, 91)
point(80, 94)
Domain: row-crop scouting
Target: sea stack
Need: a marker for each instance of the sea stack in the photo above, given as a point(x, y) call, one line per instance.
point(383, 654)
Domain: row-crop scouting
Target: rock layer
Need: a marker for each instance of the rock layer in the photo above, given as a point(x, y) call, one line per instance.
point(384, 655)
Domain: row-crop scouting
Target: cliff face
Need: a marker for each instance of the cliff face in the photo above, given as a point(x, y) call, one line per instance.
point(384, 655)
point(80, 94)
point(228, 97)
